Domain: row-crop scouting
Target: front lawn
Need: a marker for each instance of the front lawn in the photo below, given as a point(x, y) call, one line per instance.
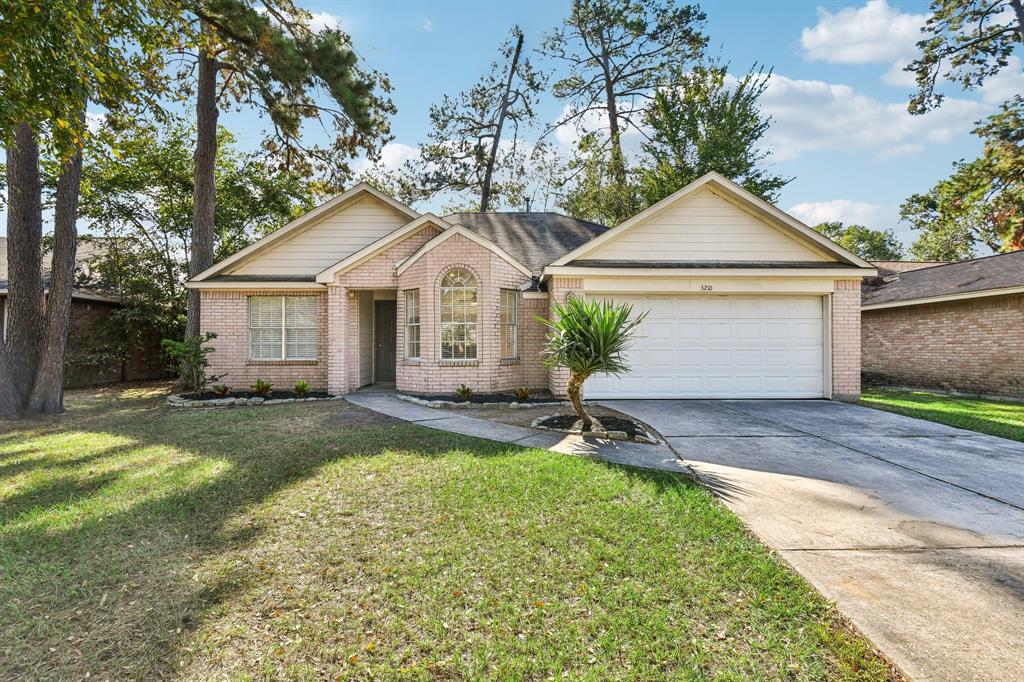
point(995, 417)
point(321, 540)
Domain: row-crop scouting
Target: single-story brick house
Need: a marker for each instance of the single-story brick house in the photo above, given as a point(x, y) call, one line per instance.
point(955, 326)
point(745, 301)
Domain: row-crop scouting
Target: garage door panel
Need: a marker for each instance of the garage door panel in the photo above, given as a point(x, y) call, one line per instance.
point(693, 346)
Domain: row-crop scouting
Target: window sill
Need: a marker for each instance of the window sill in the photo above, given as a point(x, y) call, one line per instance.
point(281, 363)
point(411, 361)
point(458, 363)
point(508, 361)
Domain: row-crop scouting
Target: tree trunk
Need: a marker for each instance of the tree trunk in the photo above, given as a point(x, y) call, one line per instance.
point(618, 168)
point(24, 257)
point(485, 193)
point(1018, 10)
point(205, 181)
point(48, 392)
point(574, 388)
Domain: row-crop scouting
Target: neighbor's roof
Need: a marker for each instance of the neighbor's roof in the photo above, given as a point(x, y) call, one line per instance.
point(84, 289)
point(966, 278)
point(534, 239)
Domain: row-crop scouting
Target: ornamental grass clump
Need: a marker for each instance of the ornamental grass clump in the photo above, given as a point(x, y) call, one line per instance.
point(588, 337)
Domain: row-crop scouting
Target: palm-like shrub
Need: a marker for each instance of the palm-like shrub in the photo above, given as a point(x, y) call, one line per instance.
point(588, 337)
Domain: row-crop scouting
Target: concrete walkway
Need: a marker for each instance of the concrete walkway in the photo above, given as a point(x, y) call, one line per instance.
point(616, 452)
point(914, 529)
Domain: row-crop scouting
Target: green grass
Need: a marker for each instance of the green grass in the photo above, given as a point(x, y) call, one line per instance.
point(995, 417)
point(320, 541)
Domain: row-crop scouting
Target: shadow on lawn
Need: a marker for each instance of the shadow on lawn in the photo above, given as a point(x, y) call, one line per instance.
point(97, 569)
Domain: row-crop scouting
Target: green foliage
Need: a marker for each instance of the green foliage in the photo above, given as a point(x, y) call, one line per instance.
point(302, 387)
point(137, 198)
point(967, 42)
point(189, 361)
point(706, 123)
point(867, 243)
point(221, 390)
point(474, 144)
point(521, 393)
point(982, 202)
point(596, 194)
point(56, 55)
point(274, 62)
point(262, 388)
point(619, 52)
point(586, 337)
point(464, 392)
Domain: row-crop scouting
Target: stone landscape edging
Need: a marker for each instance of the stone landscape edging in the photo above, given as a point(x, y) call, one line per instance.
point(255, 401)
point(643, 436)
point(465, 404)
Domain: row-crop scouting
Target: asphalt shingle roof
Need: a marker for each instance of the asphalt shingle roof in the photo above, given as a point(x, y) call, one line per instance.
point(534, 239)
point(981, 274)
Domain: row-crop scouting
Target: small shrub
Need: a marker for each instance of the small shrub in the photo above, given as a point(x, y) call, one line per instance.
point(189, 361)
point(261, 388)
point(302, 388)
point(521, 393)
point(463, 392)
point(221, 391)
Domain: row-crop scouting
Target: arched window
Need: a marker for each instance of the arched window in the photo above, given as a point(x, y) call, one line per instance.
point(458, 315)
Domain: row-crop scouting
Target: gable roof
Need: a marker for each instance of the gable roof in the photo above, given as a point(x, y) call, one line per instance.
point(370, 250)
point(989, 276)
point(306, 220)
point(752, 203)
point(470, 235)
point(534, 239)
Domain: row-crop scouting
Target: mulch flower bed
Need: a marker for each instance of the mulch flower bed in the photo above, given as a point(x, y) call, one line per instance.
point(607, 426)
point(240, 398)
point(538, 398)
point(280, 395)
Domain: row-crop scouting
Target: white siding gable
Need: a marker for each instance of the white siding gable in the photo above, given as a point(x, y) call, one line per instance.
point(329, 240)
point(703, 226)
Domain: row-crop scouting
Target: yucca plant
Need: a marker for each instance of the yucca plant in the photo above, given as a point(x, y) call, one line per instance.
point(588, 337)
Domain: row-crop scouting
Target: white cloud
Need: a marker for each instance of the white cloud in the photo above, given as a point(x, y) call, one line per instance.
point(1005, 84)
point(873, 33)
point(846, 211)
point(427, 25)
point(817, 116)
point(392, 156)
point(324, 20)
point(568, 134)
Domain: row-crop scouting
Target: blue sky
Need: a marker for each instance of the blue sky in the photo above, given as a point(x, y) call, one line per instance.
point(838, 96)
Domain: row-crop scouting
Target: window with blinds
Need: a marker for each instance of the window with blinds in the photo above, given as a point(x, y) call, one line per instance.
point(412, 323)
point(509, 324)
point(283, 327)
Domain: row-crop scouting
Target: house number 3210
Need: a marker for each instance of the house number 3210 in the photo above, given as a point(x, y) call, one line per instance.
point(706, 287)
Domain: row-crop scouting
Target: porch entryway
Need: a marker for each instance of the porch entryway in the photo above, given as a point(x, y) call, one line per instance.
point(378, 328)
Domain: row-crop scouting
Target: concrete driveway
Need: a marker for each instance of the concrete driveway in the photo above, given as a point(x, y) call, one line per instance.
point(915, 529)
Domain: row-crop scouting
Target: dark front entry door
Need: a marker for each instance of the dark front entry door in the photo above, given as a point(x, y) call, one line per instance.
point(384, 316)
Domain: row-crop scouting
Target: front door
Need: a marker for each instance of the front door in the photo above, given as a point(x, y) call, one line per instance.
point(385, 314)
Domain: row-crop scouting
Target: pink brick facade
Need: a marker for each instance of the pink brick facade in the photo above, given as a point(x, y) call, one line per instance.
point(226, 313)
point(489, 372)
point(846, 340)
point(966, 346)
point(337, 368)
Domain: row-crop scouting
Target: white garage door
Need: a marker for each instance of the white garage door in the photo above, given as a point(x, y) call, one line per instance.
point(700, 346)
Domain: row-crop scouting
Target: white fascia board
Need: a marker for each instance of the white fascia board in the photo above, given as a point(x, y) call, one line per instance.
point(309, 286)
point(709, 273)
point(942, 299)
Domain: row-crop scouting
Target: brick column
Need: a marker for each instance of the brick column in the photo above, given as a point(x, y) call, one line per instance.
point(558, 289)
point(337, 314)
point(846, 340)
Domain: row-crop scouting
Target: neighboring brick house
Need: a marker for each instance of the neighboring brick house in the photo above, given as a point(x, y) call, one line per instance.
point(91, 307)
point(744, 301)
point(956, 326)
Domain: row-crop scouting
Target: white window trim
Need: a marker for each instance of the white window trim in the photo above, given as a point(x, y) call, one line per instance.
point(284, 332)
point(475, 325)
point(514, 324)
point(418, 325)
